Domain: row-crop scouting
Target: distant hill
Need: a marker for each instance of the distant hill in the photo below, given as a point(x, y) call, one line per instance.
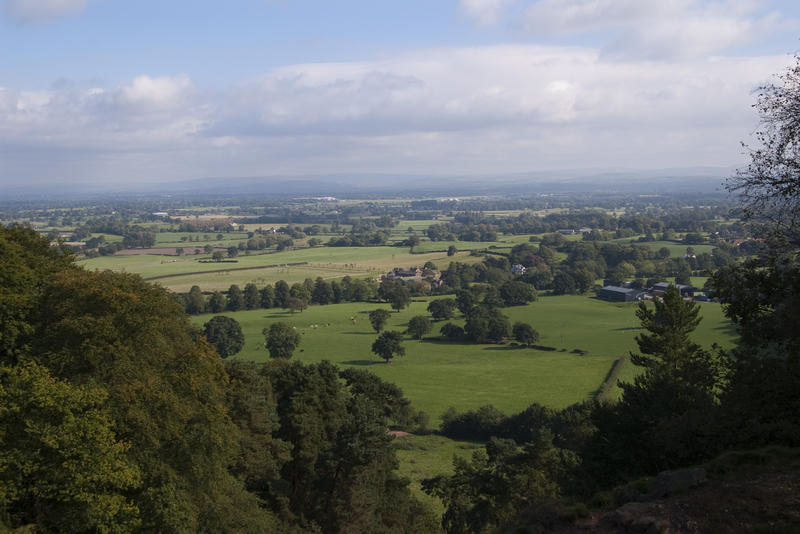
point(701, 180)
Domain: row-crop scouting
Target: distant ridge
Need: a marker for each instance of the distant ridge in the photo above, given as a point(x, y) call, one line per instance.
point(352, 185)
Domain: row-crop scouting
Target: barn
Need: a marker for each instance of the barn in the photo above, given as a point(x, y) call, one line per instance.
point(619, 294)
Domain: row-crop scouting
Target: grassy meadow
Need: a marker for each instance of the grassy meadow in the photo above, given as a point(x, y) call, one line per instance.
point(436, 375)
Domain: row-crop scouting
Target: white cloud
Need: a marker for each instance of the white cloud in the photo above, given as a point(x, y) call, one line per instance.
point(162, 91)
point(36, 11)
point(636, 29)
point(484, 12)
point(454, 110)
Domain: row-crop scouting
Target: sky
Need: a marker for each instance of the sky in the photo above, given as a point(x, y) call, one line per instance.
point(122, 92)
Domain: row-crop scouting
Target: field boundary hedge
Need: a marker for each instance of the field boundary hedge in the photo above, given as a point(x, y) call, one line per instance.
point(610, 381)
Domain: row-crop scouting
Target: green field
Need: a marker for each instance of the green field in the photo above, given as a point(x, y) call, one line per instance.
point(173, 239)
point(436, 375)
point(676, 249)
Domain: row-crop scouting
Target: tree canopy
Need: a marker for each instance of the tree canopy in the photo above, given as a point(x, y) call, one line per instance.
point(281, 340)
point(388, 345)
point(418, 326)
point(378, 318)
point(226, 335)
point(668, 325)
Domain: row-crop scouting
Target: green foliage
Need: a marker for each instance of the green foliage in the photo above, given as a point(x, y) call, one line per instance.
point(267, 295)
point(388, 397)
point(195, 301)
point(378, 318)
point(452, 331)
point(493, 489)
point(466, 302)
point(281, 294)
point(400, 299)
point(252, 297)
point(26, 262)
point(388, 345)
point(418, 326)
point(217, 302)
point(668, 416)
point(226, 335)
point(442, 309)
point(339, 477)
point(525, 334)
point(165, 391)
point(323, 292)
point(63, 468)
point(669, 325)
point(112, 403)
point(564, 283)
point(515, 293)
point(478, 425)
point(281, 340)
point(487, 326)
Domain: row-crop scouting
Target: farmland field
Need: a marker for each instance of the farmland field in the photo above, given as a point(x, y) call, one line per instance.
point(180, 273)
point(676, 249)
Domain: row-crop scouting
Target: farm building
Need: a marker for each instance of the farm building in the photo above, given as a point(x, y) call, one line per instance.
point(686, 291)
point(619, 294)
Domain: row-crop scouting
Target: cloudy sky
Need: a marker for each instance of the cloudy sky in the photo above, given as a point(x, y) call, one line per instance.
point(113, 91)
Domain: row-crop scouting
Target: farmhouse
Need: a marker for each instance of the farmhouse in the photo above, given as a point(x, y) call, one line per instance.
point(517, 269)
point(620, 294)
point(399, 272)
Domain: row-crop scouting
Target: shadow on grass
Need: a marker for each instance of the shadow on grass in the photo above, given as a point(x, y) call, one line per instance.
point(359, 333)
point(444, 341)
point(729, 329)
point(364, 362)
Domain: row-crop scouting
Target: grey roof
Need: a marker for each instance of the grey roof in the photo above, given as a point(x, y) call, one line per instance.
point(665, 285)
point(617, 289)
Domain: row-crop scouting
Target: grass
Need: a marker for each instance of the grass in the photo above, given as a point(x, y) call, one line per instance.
point(173, 239)
point(328, 262)
point(436, 375)
point(676, 248)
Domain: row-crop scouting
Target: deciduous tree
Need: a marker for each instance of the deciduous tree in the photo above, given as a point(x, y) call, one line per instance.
point(281, 340)
point(525, 334)
point(418, 326)
point(226, 335)
point(388, 345)
point(442, 309)
point(378, 318)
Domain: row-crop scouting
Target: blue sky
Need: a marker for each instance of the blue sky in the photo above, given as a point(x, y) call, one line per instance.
point(113, 91)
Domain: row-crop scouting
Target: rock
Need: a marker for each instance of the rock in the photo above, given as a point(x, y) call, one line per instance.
point(661, 526)
point(672, 482)
point(642, 523)
point(625, 515)
point(641, 518)
point(627, 494)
